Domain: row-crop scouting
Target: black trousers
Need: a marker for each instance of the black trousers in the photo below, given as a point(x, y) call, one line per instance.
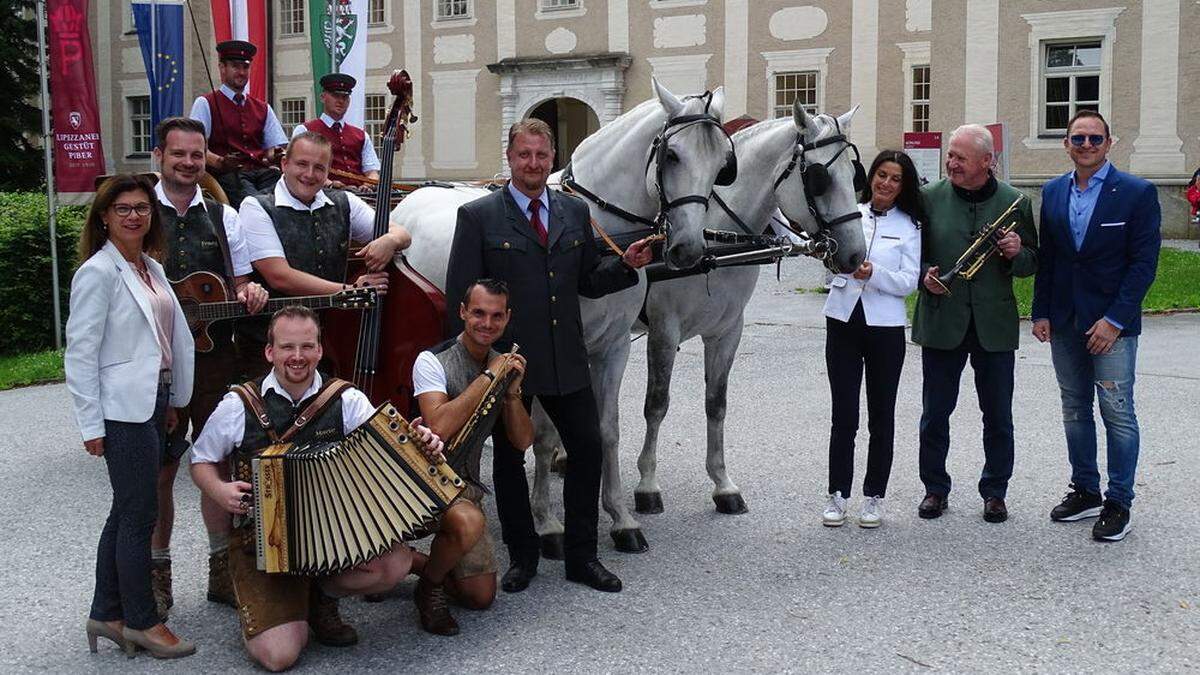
point(942, 369)
point(577, 420)
point(851, 347)
point(243, 183)
point(132, 453)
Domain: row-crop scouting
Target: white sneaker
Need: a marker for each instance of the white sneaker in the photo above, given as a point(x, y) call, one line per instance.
point(871, 514)
point(835, 511)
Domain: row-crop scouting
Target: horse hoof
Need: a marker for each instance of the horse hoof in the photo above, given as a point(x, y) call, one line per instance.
point(648, 502)
point(552, 546)
point(630, 541)
point(731, 504)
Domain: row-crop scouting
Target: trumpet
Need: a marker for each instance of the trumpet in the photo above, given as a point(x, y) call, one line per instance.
point(986, 244)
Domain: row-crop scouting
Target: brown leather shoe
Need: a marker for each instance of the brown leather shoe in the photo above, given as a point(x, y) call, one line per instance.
point(432, 609)
point(994, 510)
point(220, 584)
point(326, 622)
point(932, 506)
point(160, 583)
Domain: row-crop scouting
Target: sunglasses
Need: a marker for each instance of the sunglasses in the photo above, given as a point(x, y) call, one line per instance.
point(1095, 139)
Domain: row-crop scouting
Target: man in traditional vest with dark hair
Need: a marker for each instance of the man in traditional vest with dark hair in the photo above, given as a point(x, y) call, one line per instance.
point(274, 607)
point(353, 151)
point(244, 135)
point(450, 382)
point(202, 236)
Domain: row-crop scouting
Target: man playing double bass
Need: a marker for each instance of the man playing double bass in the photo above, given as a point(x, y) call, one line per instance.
point(201, 235)
point(353, 151)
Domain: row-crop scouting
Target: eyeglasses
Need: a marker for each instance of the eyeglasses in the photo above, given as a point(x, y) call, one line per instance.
point(123, 210)
point(1095, 139)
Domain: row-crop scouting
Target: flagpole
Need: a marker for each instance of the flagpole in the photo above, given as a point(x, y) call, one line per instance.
point(153, 74)
point(333, 64)
point(47, 151)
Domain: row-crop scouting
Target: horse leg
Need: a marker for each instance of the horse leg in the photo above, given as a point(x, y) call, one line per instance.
point(660, 363)
point(718, 358)
point(607, 370)
point(548, 527)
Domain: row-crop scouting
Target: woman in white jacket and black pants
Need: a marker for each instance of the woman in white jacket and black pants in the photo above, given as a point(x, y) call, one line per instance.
point(865, 319)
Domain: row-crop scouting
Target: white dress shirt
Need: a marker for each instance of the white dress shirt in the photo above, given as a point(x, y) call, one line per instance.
point(523, 203)
point(369, 160)
point(238, 254)
point(272, 130)
point(263, 242)
point(894, 250)
point(226, 427)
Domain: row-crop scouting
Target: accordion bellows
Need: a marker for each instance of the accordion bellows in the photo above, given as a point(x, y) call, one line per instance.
point(321, 508)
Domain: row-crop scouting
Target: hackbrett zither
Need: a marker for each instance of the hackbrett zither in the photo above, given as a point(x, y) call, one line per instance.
point(325, 507)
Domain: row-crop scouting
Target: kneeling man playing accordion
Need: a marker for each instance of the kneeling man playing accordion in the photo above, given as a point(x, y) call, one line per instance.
point(371, 476)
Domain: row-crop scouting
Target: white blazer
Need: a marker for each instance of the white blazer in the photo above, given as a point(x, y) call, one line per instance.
point(894, 249)
point(112, 357)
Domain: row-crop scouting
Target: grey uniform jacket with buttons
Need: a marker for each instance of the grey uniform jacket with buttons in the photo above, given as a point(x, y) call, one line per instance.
point(493, 239)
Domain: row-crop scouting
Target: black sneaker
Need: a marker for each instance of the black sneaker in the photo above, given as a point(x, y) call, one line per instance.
point(1113, 524)
point(1077, 505)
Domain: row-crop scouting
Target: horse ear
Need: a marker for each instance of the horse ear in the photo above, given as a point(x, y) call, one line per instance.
point(717, 107)
point(669, 101)
point(802, 119)
point(845, 118)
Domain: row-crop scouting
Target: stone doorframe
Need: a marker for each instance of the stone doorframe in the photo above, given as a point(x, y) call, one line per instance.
point(598, 80)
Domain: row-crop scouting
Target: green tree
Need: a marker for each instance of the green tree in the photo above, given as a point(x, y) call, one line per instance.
point(21, 165)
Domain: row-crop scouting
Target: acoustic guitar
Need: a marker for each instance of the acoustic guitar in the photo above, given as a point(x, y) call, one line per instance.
point(205, 299)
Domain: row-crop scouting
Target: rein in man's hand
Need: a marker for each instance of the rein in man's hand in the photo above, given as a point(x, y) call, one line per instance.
point(639, 254)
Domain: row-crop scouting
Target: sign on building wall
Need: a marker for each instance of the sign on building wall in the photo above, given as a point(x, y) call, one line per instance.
point(925, 149)
point(78, 154)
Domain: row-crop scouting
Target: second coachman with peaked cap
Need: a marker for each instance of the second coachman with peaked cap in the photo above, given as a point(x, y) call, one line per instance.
point(338, 83)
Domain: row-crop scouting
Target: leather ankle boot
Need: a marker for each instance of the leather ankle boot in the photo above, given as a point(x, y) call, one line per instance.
point(220, 584)
point(432, 609)
point(326, 622)
point(160, 583)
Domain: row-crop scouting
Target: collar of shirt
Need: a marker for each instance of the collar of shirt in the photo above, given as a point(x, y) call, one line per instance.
point(329, 121)
point(271, 382)
point(523, 200)
point(1095, 181)
point(159, 192)
point(283, 197)
point(230, 93)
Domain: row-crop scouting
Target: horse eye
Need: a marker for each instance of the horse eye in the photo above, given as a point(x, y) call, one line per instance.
point(672, 156)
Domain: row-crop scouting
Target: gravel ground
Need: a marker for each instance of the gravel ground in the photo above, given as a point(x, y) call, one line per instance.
point(771, 590)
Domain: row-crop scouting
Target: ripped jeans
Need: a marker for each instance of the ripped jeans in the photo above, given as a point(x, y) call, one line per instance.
point(1081, 378)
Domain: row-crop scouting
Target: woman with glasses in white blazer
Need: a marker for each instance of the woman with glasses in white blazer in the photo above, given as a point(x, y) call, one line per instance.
point(865, 319)
point(128, 362)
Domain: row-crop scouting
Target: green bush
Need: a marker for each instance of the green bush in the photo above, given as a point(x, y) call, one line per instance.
point(26, 306)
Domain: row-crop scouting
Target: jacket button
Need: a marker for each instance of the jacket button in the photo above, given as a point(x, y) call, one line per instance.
point(552, 275)
point(553, 322)
point(507, 245)
point(554, 298)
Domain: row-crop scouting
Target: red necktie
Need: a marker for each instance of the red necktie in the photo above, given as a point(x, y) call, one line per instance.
point(535, 219)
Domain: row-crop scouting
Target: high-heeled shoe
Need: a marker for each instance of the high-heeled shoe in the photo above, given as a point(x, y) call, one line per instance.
point(158, 640)
point(99, 629)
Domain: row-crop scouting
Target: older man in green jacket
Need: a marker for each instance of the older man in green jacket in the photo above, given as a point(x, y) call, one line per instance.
point(974, 319)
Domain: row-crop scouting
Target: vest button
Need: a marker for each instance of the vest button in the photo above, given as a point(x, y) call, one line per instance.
point(553, 322)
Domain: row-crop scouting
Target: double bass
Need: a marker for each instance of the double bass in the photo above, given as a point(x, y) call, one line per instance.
point(376, 348)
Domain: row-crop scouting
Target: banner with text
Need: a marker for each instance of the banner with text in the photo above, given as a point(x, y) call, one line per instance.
point(78, 154)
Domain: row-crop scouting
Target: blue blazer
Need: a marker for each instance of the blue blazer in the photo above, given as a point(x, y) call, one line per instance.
point(1113, 268)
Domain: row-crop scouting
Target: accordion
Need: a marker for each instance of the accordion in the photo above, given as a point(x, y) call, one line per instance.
point(321, 508)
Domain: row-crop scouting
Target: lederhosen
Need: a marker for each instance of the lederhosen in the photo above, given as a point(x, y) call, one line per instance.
point(268, 600)
point(197, 242)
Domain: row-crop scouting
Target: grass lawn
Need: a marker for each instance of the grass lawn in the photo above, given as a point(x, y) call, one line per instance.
point(24, 369)
point(1176, 286)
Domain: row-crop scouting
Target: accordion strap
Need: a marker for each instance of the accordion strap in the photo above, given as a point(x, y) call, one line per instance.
point(252, 399)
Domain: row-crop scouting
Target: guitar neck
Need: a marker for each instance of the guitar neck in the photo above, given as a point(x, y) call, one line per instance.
point(232, 309)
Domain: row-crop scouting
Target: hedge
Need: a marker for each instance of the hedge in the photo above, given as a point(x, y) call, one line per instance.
point(26, 308)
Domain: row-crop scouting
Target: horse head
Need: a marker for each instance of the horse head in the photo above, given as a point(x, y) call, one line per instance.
point(690, 155)
point(818, 186)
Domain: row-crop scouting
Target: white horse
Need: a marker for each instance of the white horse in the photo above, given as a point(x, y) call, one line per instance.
point(665, 152)
point(771, 158)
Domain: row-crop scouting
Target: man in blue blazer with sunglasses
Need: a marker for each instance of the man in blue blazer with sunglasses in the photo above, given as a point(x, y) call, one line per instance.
point(1099, 253)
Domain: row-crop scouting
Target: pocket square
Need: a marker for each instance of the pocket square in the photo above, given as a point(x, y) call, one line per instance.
point(1112, 224)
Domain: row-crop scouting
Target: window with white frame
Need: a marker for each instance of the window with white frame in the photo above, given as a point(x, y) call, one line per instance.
point(795, 86)
point(1070, 82)
point(551, 5)
point(291, 17)
point(292, 111)
point(374, 115)
point(139, 125)
point(920, 98)
point(376, 12)
point(452, 9)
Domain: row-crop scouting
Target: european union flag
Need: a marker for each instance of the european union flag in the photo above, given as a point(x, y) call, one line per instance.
point(160, 32)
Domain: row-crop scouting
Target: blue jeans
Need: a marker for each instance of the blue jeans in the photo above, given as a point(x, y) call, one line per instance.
point(1111, 375)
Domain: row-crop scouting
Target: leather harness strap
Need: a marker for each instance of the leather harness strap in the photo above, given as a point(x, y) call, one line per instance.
point(252, 398)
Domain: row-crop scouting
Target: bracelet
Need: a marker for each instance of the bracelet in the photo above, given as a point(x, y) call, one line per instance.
point(491, 376)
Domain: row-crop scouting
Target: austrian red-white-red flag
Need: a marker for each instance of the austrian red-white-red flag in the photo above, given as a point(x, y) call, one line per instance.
point(245, 20)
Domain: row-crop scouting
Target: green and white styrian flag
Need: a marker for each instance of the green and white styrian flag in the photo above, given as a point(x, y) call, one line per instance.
point(340, 46)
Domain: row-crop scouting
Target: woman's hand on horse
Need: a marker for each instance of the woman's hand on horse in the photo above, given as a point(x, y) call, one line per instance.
point(94, 446)
point(864, 271)
point(639, 253)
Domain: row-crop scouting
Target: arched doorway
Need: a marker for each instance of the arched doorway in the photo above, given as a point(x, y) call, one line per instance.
point(571, 120)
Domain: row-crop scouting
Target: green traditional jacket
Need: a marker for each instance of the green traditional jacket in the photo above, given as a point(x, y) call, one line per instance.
point(940, 322)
